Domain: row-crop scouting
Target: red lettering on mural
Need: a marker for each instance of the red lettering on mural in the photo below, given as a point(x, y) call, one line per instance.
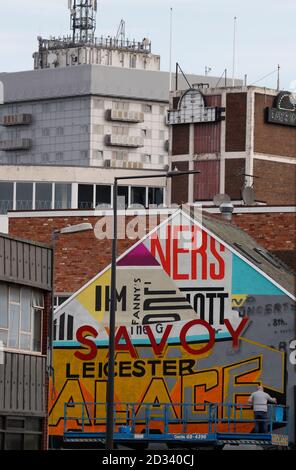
point(199, 252)
point(81, 334)
point(177, 276)
point(127, 346)
point(157, 249)
point(185, 330)
point(193, 243)
point(220, 273)
point(158, 347)
point(235, 333)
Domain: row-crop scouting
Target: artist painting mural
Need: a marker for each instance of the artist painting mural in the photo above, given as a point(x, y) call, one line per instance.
point(196, 322)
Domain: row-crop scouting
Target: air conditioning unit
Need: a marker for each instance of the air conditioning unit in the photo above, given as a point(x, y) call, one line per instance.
point(17, 144)
point(16, 119)
point(126, 116)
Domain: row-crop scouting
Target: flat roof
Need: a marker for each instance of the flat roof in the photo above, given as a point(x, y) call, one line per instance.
point(100, 80)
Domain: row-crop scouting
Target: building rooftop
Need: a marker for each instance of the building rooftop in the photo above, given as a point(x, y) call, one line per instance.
point(249, 249)
point(94, 80)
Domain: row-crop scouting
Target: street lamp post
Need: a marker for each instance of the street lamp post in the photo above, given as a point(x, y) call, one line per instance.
point(112, 316)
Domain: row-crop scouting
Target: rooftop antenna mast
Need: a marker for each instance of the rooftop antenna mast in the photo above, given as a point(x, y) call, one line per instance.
point(121, 31)
point(83, 20)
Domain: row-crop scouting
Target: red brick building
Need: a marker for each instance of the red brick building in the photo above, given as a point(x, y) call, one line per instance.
point(80, 256)
point(227, 133)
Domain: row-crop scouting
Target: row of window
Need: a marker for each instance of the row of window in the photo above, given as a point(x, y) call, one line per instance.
point(37, 196)
point(91, 196)
point(48, 196)
point(20, 433)
point(71, 105)
point(21, 317)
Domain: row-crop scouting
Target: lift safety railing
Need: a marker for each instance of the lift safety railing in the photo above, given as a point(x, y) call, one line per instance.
point(230, 418)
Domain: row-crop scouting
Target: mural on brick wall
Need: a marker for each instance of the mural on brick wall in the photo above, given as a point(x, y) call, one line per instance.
point(195, 323)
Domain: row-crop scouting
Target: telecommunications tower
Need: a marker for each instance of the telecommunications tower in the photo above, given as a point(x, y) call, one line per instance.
point(83, 20)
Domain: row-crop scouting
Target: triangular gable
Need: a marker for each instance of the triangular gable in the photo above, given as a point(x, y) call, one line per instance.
point(265, 285)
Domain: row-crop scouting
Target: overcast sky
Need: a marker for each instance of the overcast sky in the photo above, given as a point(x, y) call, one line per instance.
point(203, 33)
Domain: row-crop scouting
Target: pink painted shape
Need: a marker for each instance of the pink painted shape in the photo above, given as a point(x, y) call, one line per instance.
point(139, 256)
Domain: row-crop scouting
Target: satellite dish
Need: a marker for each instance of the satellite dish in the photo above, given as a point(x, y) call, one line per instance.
point(248, 195)
point(220, 199)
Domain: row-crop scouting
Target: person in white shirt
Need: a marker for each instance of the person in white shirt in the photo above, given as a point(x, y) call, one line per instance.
point(260, 400)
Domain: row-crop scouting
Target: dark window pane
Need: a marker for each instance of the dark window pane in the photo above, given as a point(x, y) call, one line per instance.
point(3, 306)
point(155, 196)
point(26, 295)
point(24, 196)
point(122, 197)
point(14, 326)
point(62, 198)
point(15, 423)
point(34, 424)
point(37, 330)
point(43, 196)
point(6, 197)
point(14, 441)
point(85, 196)
point(139, 196)
point(103, 194)
point(1, 441)
point(32, 442)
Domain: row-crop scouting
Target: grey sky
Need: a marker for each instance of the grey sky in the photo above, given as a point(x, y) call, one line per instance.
point(203, 33)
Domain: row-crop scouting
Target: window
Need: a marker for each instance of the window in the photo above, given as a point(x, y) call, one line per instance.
point(84, 154)
point(139, 196)
point(45, 158)
point(6, 197)
point(133, 61)
point(122, 200)
point(43, 196)
point(103, 194)
point(21, 317)
point(85, 129)
point(24, 196)
point(99, 154)
point(60, 131)
point(146, 158)
point(119, 155)
point(119, 130)
point(45, 132)
point(20, 433)
point(85, 196)
point(120, 105)
point(59, 156)
point(147, 108)
point(62, 198)
point(155, 196)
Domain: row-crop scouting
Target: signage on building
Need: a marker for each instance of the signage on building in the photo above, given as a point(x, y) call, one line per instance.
point(192, 110)
point(195, 323)
point(284, 110)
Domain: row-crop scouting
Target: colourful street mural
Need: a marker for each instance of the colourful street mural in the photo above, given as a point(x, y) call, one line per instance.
point(196, 323)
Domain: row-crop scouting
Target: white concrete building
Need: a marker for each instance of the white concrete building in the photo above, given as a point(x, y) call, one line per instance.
point(69, 127)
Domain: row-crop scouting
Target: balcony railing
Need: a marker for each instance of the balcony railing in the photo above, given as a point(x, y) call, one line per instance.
point(15, 144)
point(124, 141)
point(16, 120)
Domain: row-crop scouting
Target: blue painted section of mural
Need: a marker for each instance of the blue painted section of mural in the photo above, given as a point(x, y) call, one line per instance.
point(246, 280)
